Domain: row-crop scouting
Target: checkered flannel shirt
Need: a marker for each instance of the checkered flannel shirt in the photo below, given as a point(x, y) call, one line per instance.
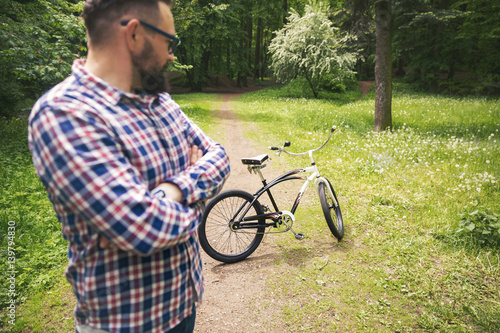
point(100, 152)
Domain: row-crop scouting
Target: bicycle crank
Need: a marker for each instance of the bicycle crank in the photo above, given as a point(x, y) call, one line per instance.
point(287, 219)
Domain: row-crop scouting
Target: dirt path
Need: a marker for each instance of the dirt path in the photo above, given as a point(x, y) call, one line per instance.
point(235, 298)
point(365, 86)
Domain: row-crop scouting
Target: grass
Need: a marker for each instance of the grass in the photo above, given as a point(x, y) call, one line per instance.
point(48, 310)
point(40, 250)
point(198, 107)
point(402, 266)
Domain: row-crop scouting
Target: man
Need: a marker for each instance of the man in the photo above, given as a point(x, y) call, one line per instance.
point(127, 173)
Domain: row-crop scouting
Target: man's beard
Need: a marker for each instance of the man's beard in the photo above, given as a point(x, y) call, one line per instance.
point(153, 78)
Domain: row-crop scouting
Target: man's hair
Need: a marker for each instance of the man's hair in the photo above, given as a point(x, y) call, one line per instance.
point(101, 15)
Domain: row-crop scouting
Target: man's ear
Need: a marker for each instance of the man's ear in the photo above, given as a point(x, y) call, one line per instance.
point(133, 35)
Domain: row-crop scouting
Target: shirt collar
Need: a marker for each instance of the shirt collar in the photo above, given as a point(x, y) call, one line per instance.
point(102, 88)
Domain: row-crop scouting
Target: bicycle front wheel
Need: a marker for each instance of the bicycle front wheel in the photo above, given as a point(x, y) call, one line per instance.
point(331, 209)
point(217, 237)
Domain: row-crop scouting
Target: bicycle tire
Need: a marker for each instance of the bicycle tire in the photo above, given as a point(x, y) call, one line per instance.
point(217, 238)
point(331, 210)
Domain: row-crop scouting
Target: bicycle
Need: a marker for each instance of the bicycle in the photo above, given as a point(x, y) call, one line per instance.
point(234, 222)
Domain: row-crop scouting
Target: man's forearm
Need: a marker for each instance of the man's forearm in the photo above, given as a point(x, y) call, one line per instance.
point(204, 179)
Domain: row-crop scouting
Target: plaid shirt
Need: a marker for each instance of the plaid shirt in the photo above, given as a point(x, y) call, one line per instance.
point(100, 152)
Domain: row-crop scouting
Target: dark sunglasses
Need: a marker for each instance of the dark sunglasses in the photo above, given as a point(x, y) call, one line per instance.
point(174, 41)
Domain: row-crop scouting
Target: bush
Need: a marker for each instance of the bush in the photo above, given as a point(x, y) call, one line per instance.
point(331, 83)
point(10, 94)
point(481, 226)
point(340, 91)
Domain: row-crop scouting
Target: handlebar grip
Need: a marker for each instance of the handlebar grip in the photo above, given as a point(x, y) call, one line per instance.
point(274, 148)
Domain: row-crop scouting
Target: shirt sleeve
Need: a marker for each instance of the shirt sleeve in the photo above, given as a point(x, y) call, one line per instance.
point(205, 178)
point(83, 167)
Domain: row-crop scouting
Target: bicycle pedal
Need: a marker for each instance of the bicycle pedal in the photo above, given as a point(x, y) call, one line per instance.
point(299, 235)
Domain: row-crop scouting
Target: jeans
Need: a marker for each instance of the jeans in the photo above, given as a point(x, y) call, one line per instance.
point(185, 326)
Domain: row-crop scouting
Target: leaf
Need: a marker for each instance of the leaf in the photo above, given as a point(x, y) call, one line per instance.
point(470, 226)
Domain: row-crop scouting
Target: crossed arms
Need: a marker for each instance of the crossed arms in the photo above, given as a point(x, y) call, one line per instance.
point(90, 179)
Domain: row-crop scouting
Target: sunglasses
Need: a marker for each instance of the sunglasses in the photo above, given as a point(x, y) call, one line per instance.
point(174, 41)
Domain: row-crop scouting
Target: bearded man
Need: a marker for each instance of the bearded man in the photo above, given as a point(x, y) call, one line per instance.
point(127, 173)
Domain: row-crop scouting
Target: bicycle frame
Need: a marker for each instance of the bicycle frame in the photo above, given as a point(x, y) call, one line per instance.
point(277, 214)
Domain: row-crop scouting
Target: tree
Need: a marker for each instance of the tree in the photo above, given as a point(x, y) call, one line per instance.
point(449, 45)
point(383, 66)
point(356, 17)
point(481, 27)
point(309, 46)
point(426, 40)
point(225, 39)
point(211, 36)
point(38, 42)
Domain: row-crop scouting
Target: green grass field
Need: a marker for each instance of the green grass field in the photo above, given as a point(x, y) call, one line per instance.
point(404, 264)
point(421, 251)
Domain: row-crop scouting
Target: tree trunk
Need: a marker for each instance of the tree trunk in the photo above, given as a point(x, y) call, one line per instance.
point(313, 89)
point(249, 45)
point(238, 81)
point(285, 11)
point(257, 49)
point(383, 67)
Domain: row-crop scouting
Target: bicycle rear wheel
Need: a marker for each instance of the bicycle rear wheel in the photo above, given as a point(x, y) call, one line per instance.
point(216, 236)
point(331, 209)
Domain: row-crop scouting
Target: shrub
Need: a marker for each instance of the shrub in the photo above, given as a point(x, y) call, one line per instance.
point(481, 226)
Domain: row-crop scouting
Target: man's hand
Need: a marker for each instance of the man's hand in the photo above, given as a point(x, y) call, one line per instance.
point(171, 190)
point(104, 243)
point(195, 154)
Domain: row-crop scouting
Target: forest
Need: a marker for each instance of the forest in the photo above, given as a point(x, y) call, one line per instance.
point(449, 46)
point(420, 202)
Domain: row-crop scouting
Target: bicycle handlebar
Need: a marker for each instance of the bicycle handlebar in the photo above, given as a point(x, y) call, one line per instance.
point(287, 144)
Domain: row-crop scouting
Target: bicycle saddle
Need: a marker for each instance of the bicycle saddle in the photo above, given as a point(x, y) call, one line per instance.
point(257, 160)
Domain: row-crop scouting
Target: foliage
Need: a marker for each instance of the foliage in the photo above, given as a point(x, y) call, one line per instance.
point(435, 42)
point(357, 19)
point(311, 47)
point(481, 32)
point(482, 226)
point(428, 39)
point(208, 27)
point(38, 42)
point(218, 38)
point(441, 40)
